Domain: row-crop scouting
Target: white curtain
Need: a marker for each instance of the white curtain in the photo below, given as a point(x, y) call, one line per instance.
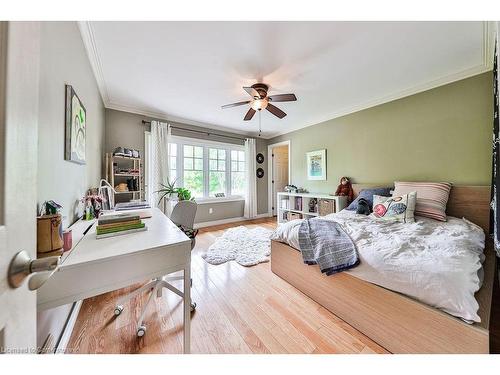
point(251, 194)
point(160, 169)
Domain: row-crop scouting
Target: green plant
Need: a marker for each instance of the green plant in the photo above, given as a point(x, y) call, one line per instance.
point(167, 190)
point(184, 194)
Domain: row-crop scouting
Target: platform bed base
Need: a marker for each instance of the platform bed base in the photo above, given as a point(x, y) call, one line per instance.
point(394, 321)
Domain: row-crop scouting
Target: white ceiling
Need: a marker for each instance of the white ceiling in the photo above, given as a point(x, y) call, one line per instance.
point(187, 70)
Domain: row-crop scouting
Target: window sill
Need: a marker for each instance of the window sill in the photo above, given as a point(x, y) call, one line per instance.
point(218, 200)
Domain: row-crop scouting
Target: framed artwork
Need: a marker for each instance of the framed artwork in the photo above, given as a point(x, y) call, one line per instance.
point(316, 165)
point(75, 129)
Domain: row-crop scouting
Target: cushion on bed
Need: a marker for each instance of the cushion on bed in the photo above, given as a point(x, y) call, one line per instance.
point(368, 195)
point(432, 197)
point(395, 208)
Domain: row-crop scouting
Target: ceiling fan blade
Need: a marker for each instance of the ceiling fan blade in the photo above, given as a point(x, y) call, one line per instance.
point(252, 92)
point(275, 111)
point(235, 104)
point(283, 98)
point(249, 114)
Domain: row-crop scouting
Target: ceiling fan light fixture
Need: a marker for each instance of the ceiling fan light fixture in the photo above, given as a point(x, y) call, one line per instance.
point(259, 104)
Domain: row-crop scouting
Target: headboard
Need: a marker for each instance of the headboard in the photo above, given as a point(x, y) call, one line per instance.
point(471, 202)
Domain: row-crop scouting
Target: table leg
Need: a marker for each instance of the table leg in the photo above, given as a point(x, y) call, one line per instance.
point(187, 309)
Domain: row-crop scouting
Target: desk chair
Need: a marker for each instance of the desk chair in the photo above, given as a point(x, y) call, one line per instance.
point(183, 216)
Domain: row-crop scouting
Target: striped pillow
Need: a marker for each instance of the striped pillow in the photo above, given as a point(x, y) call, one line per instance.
point(431, 197)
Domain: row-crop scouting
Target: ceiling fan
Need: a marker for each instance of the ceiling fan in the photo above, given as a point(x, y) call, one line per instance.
point(261, 101)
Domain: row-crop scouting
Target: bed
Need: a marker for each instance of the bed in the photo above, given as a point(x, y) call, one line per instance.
point(395, 321)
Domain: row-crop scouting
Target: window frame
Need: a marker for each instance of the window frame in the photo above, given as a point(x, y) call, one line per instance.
point(227, 190)
point(206, 145)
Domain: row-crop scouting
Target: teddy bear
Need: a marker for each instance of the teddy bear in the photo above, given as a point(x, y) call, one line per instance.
point(345, 189)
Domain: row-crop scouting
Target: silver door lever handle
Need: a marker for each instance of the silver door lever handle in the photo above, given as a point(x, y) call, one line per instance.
point(22, 266)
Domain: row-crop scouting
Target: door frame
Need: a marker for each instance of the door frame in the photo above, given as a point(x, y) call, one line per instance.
point(3, 94)
point(270, 171)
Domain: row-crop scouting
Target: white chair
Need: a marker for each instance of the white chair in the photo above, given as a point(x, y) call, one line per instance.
point(183, 216)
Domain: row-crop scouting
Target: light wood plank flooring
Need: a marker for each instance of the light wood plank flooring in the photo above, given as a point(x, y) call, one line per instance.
point(240, 310)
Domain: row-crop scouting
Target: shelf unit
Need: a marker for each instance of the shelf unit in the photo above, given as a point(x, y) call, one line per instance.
point(123, 162)
point(297, 205)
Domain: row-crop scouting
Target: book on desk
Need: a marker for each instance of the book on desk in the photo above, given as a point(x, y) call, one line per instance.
point(119, 224)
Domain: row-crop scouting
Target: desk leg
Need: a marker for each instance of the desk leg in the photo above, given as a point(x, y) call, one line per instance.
point(187, 309)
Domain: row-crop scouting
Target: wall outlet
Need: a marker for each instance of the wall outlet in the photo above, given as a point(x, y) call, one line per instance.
point(210, 210)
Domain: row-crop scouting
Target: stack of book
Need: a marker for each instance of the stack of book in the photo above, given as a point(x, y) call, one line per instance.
point(118, 224)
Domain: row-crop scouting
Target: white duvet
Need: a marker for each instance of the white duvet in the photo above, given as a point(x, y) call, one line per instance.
point(435, 262)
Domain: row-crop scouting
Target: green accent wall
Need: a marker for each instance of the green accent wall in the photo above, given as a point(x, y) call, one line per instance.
point(443, 134)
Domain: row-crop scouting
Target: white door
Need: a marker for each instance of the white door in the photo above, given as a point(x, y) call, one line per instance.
point(280, 172)
point(19, 66)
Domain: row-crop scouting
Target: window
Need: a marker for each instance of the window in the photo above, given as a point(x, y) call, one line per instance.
point(238, 181)
point(208, 169)
point(172, 154)
point(217, 171)
point(193, 170)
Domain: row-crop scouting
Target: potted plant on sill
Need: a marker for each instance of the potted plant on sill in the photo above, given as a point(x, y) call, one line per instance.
point(168, 190)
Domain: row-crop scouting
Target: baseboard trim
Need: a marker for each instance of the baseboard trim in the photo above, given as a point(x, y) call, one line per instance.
point(62, 345)
point(227, 221)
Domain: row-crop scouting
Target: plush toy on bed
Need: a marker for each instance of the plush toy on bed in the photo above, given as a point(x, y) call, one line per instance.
point(345, 189)
point(363, 207)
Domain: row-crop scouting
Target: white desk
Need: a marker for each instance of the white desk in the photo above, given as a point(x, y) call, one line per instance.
point(96, 266)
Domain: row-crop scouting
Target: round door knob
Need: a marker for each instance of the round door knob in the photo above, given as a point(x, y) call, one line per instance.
point(22, 266)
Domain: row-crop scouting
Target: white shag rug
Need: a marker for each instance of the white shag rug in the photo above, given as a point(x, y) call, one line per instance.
point(246, 246)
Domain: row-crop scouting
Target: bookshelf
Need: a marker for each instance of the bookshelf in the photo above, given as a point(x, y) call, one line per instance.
point(307, 205)
point(129, 170)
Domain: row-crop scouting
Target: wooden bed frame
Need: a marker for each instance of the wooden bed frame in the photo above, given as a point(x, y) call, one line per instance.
point(399, 323)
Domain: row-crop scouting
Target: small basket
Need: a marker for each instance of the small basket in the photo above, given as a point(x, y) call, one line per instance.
point(49, 234)
point(326, 207)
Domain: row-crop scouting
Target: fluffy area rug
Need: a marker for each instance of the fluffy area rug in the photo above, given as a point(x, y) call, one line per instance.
point(246, 246)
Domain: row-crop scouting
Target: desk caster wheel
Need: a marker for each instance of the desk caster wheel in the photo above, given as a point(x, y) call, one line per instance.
point(118, 310)
point(193, 306)
point(141, 331)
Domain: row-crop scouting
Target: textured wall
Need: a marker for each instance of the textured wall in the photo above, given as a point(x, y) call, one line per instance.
point(443, 134)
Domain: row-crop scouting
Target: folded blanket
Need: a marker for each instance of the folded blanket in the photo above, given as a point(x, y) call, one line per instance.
point(324, 242)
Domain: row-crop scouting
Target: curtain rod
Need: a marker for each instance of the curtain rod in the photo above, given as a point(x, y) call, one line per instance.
point(198, 131)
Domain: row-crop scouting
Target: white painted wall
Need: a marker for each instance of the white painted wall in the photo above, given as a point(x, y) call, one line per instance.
point(63, 60)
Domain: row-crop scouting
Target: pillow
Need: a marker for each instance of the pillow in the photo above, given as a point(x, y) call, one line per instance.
point(368, 195)
point(431, 197)
point(396, 208)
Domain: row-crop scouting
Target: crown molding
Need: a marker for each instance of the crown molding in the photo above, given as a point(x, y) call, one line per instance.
point(479, 69)
point(488, 46)
point(167, 117)
point(87, 33)
point(489, 36)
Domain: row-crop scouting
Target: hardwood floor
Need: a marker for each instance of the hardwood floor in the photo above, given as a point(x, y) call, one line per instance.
point(240, 310)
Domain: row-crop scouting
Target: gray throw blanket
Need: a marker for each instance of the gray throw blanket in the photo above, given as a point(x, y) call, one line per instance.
point(325, 243)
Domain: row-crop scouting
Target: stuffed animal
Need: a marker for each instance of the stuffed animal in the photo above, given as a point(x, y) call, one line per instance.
point(345, 189)
point(363, 207)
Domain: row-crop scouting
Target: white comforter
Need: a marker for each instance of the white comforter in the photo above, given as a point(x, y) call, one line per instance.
point(434, 262)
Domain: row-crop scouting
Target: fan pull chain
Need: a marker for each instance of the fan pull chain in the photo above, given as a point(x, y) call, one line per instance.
point(260, 130)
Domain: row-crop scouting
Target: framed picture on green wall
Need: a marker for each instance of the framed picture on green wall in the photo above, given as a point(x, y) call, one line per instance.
point(316, 165)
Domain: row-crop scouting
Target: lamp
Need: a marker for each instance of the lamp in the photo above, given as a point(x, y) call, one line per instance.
point(259, 104)
point(107, 191)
